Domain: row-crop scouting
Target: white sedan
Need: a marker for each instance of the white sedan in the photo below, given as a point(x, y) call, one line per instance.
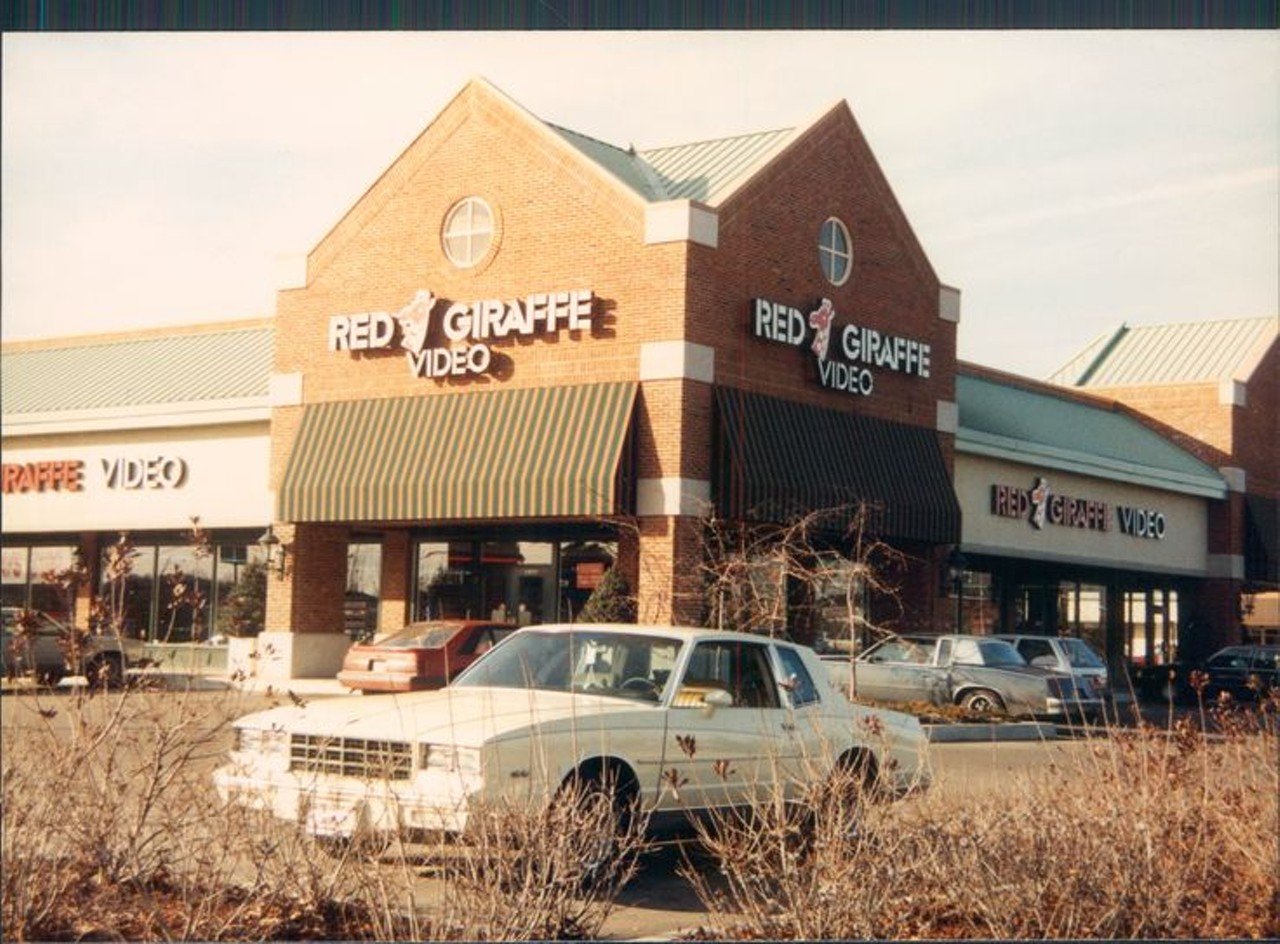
point(674, 721)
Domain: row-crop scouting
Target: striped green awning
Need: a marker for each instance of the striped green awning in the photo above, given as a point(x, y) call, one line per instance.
point(547, 452)
point(779, 460)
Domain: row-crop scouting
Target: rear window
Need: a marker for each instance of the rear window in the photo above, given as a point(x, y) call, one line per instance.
point(421, 636)
point(798, 682)
point(1267, 659)
point(1230, 659)
point(1081, 655)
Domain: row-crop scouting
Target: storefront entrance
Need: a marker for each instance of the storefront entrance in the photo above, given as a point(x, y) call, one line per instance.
point(512, 581)
point(1131, 619)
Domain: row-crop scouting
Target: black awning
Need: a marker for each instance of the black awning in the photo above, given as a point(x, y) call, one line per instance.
point(1262, 539)
point(778, 460)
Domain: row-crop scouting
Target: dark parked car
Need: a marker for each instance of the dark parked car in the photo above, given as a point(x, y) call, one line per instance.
point(1244, 671)
point(978, 672)
point(420, 656)
point(103, 660)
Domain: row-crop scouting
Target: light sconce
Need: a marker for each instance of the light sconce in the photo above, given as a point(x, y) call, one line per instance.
point(275, 550)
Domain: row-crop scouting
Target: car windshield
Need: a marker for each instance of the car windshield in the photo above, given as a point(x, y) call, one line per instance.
point(1080, 654)
point(625, 665)
point(419, 636)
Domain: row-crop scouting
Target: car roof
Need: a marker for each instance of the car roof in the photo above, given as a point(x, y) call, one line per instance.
point(683, 633)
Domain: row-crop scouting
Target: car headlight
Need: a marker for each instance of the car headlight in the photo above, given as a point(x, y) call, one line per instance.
point(269, 742)
point(451, 758)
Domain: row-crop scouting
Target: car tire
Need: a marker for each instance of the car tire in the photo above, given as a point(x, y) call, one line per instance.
point(856, 778)
point(983, 700)
point(606, 793)
point(105, 672)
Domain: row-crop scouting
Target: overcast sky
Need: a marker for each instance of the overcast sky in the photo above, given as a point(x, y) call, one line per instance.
point(1064, 182)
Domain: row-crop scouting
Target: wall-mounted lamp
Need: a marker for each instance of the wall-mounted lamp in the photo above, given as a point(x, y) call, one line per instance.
point(275, 550)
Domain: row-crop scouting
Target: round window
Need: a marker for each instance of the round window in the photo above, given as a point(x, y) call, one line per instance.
point(468, 232)
point(835, 252)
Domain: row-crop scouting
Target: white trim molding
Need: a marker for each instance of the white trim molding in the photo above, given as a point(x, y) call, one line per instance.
point(948, 416)
point(1233, 393)
point(1237, 479)
point(674, 221)
point(949, 304)
point(672, 496)
point(1228, 566)
point(285, 389)
point(677, 360)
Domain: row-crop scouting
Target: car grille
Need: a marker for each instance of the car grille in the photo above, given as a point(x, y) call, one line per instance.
point(351, 757)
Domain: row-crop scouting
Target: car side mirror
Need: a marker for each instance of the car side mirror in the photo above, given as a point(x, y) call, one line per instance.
point(717, 698)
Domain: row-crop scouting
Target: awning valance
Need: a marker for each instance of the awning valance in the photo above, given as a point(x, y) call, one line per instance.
point(546, 452)
point(778, 460)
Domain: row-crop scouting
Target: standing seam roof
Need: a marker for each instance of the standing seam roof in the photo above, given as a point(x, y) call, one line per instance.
point(224, 365)
point(698, 171)
point(1193, 352)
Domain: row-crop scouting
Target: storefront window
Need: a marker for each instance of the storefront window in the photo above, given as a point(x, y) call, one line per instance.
point(30, 581)
point(364, 582)
point(1151, 626)
point(129, 600)
point(1082, 611)
point(978, 611)
point(839, 604)
point(13, 569)
point(518, 582)
point(447, 581)
point(185, 586)
point(241, 590)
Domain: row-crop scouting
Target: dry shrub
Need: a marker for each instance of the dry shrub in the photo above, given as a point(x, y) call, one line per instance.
point(547, 875)
point(1146, 833)
point(112, 830)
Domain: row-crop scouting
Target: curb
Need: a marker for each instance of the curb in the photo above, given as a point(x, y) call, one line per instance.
point(1014, 731)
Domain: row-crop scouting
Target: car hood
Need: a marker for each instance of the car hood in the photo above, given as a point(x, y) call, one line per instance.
point(464, 716)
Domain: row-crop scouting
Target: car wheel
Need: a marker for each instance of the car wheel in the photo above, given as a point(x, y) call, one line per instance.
point(104, 672)
point(983, 701)
point(604, 806)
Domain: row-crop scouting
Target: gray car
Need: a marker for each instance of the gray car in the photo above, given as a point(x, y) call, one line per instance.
point(105, 659)
point(977, 672)
point(1065, 654)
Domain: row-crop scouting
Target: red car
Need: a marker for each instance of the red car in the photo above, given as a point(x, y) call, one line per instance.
point(420, 656)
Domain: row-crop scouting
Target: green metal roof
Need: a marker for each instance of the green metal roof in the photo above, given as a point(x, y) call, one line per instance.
point(181, 368)
point(1190, 352)
point(701, 171)
point(1011, 422)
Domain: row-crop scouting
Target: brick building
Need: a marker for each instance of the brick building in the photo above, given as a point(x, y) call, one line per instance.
point(1214, 388)
point(1081, 519)
point(525, 357)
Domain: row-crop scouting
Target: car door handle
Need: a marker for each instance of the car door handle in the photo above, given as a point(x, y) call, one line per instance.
point(788, 727)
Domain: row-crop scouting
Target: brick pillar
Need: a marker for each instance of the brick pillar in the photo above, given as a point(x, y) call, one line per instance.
point(308, 597)
point(394, 593)
point(670, 564)
point(628, 559)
